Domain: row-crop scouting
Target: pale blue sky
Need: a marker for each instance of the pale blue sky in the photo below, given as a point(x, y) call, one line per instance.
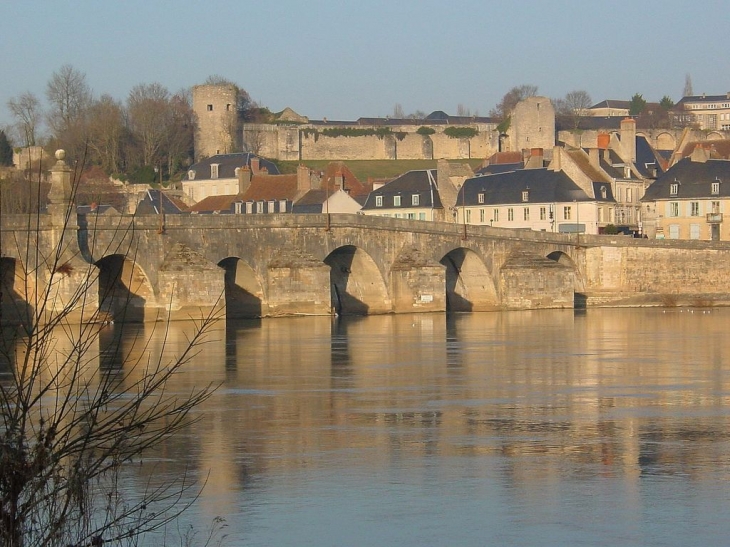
point(343, 59)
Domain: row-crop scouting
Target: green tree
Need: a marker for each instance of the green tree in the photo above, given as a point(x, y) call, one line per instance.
point(666, 103)
point(6, 150)
point(637, 105)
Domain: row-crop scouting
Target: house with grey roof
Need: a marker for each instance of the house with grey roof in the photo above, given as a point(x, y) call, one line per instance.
point(413, 195)
point(218, 175)
point(689, 200)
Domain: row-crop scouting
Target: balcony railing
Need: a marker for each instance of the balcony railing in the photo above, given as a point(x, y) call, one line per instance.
point(714, 218)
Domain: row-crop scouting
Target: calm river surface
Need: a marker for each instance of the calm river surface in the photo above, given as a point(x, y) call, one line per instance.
point(605, 427)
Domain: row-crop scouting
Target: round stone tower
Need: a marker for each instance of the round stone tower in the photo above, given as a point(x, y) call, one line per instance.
point(219, 127)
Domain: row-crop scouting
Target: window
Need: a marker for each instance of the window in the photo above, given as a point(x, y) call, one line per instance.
point(210, 108)
point(191, 174)
point(525, 195)
point(214, 170)
point(620, 192)
point(566, 212)
point(674, 231)
point(415, 199)
point(481, 216)
point(543, 213)
point(378, 201)
point(480, 198)
point(228, 107)
point(411, 216)
point(694, 208)
point(715, 206)
point(495, 215)
point(510, 214)
point(629, 196)
point(694, 231)
point(396, 201)
point(715, 188)
point(526, 213)
point(604, 192)
point(249, 207)
point(259, 207)
point(468, 216)
point(600, 214)
point(282, 206)
point(673, 189)
point(421, 216)
point(673, 209)
point(238, 207)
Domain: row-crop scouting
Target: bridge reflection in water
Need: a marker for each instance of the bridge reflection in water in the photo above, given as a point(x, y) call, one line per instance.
point(521, 428)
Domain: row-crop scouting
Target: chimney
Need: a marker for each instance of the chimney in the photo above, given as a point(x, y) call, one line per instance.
point(255, 165)
point(304, 180)
point(244, 179)
point(535, 159)
point(604, 139)
point(700, 154)
point(628, 139)
point(594, 157)
point(555, 164)
point(339, 181)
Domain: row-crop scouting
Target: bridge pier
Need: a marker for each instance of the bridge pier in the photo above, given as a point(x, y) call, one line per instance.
point(417, 283)
point(298, 284)
point(529, 281)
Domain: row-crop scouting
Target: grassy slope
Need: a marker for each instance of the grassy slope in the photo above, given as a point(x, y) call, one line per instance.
point(376, 169)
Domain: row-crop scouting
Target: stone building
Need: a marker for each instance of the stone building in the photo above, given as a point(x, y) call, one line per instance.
point(706, 112)
point(690, 199)
point(218, 129)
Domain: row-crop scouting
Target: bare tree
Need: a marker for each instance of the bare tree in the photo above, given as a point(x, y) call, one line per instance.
point(107, 129)
point(68, 429)
point(573, 108)
point(26, 109)
point(398, 112)
point(69, 98)
point(504, 108)
point(148, 110)
point(462, 110)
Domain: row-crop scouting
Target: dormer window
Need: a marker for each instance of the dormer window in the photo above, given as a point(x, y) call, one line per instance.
point(525, 195)
point(480, 197)
point(214, 170)
point(415, 199)
point(396, 201)
point(673, 189)
point(191, 174)
point(378, 201)
point(604, 192)
point(715, 188)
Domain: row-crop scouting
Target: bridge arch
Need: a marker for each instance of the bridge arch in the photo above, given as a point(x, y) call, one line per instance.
point(356, 283)
point(469, 283)
point(124, 288)
point(565, 260)
point(243, 287)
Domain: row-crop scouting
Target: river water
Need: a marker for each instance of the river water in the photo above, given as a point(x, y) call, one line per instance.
point(565, 428)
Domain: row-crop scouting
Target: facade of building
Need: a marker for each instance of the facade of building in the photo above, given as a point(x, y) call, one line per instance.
point(414, 195)
point(218, 174)
point(706, 112)
point(689, 200)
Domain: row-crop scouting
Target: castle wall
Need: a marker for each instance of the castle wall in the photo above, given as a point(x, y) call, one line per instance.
point(307, 142)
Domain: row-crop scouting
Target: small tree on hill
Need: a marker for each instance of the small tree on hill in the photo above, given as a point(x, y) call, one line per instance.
point(6, 150)
point(637, 105)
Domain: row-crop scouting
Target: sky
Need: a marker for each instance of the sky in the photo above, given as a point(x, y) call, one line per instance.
point(345, 59)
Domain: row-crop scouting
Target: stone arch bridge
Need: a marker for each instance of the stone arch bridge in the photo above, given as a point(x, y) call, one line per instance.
point(274, 265)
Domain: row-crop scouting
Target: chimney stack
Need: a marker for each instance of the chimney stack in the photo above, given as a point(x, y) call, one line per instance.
point(304, 179)
point(255, 165)
point(244, 179)
point(628, 139)
point(594, 157)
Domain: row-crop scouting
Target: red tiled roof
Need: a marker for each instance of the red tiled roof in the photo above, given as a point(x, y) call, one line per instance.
point(215, 203)
point(268, 187)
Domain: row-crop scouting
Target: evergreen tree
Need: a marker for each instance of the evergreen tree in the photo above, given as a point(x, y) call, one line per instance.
point(638, 105)
point(6, 150)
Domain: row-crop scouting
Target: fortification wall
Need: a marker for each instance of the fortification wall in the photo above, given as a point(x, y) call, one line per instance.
point(308, 142)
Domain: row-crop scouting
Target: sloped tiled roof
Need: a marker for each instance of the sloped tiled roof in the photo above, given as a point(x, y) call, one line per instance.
point(215, 204)
point(421, 182)
point(227, 165)
point(694, 180)
point(583, 162)
point(271, 187)
point(150, 204)
point(351, 182)
point(543, 185)
point(500, 168)
point(719, 149)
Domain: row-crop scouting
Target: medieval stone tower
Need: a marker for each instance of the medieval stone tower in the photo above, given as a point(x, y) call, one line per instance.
point(219, 126)
point(533, 124)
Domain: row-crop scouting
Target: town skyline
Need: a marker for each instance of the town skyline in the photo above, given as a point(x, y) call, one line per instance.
point(343, 62)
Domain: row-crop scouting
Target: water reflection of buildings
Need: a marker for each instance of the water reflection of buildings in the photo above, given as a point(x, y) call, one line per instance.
point(526, 396)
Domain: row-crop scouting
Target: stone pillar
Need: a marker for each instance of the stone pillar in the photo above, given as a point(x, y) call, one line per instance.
point(417, 284)
point(59, 196)
point(298, 284)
